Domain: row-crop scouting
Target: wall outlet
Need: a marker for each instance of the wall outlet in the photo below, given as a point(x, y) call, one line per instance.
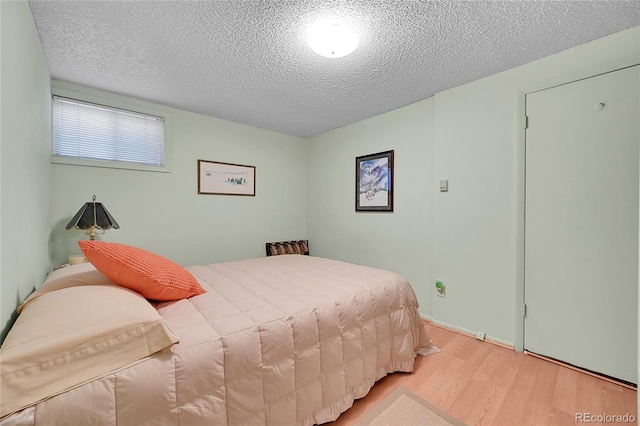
point(480, 335)
point(440, 288)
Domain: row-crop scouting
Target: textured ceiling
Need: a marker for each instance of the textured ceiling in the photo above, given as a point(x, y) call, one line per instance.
point(248, 62)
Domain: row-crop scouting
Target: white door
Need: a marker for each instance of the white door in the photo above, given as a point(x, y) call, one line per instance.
point(581, 223)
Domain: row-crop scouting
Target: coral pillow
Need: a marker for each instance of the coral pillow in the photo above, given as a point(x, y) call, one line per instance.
point(149, 274)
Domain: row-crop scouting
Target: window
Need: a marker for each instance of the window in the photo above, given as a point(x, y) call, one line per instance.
point(89, 131)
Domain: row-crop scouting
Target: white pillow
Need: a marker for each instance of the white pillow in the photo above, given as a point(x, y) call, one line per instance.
point(70, 276)
point(69, 336)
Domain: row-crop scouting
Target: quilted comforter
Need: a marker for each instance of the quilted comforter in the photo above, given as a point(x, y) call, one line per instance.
point(278, 340)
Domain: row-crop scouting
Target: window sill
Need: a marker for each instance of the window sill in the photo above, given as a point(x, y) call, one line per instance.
point(73, 161)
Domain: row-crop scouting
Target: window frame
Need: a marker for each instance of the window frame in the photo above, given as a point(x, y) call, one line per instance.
point(109, 100)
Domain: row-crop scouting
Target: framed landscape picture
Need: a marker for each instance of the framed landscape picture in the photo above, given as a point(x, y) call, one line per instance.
point(226, 178)
point(374, 182)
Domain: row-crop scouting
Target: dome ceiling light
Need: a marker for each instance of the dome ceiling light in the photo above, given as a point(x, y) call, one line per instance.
point(332, 39)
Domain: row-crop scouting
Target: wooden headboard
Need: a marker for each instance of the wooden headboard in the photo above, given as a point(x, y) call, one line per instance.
point(288, 247)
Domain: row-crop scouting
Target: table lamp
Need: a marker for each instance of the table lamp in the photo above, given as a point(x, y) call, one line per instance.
point(93, 217)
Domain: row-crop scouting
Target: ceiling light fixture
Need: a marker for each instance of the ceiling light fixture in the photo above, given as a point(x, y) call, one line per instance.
point(332, 39)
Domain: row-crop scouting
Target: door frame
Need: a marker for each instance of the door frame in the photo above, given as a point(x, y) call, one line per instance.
point(520, 171)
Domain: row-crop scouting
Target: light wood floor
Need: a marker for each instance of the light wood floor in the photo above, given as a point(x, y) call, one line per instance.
point(484, 384)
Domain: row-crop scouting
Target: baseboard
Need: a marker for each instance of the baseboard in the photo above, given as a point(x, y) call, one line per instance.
point(509, 345)
point(426, 317)
point(490, 339)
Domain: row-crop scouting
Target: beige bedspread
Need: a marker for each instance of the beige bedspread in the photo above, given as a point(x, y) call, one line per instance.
point(278, 340)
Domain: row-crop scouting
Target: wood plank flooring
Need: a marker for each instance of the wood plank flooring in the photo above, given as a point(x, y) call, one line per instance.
point(484, 384)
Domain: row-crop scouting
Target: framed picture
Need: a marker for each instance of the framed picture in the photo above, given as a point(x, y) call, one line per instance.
point(226, 178)
point(374, 182)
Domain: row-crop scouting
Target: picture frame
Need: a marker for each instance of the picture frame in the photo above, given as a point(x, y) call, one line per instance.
point(217, 178)
point(374, 182)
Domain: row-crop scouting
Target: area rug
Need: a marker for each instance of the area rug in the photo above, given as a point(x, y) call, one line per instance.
point(403, 407)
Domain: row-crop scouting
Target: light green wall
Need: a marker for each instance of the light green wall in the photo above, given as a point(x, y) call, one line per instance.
point(471, 236)
point(163, 213)
point(479, 146)
point(399, 241)
point(25, 158)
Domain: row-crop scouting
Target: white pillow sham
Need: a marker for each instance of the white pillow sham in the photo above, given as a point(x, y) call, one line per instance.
point(67, 336)
point(70, 276)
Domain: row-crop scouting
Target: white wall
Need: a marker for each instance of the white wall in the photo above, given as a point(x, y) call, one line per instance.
point(163, 213)
point(479, 147)
point(25, 158)
point(399, 241)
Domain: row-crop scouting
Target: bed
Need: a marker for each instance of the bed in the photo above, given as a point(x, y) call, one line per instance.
point(278, 340)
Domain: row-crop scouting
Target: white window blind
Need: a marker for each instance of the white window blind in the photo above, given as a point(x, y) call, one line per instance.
point(97, 132)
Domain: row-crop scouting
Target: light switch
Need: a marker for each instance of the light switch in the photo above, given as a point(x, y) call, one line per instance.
point(444, 185)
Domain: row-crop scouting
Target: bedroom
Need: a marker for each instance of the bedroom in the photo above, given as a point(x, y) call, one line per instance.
point(38, 197)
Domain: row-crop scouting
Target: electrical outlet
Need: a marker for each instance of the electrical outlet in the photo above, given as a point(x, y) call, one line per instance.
point(480, 335)
point(440, 288)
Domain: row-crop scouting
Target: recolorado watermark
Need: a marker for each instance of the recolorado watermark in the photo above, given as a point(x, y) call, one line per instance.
point(605, 418)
